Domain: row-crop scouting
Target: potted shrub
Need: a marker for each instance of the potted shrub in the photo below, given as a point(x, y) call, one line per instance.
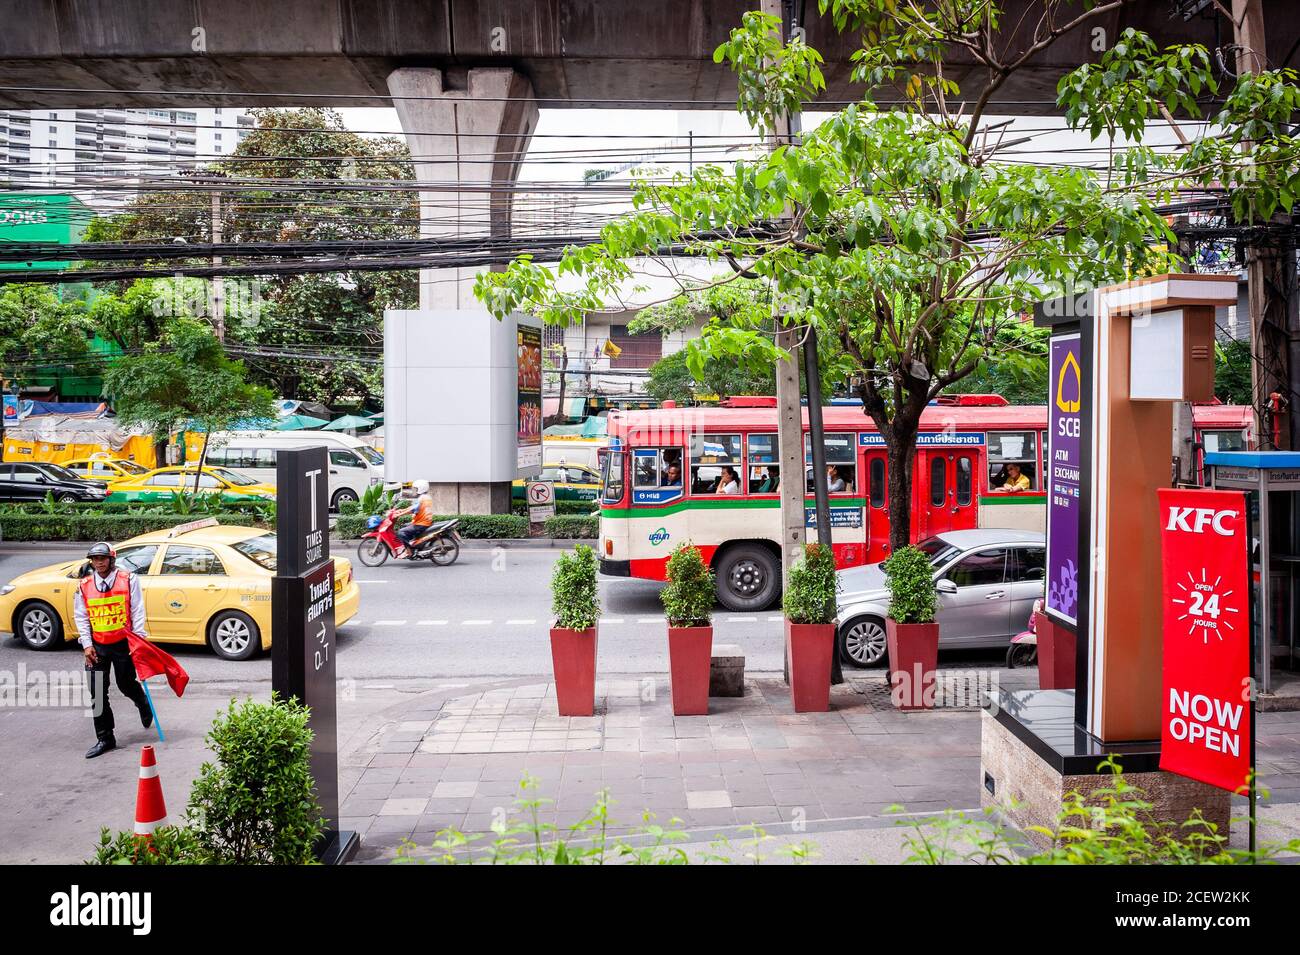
point(688, 602)
point(910, 629)
point(576, 605)
point(809, 605)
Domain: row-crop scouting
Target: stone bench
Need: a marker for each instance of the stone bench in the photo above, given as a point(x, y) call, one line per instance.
point(727, 670)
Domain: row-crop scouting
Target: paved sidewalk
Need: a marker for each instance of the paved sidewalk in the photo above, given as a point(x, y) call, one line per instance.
point(457, 762)
point(455, 759)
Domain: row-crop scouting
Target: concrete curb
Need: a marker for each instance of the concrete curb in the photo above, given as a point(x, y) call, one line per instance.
point(508, 543)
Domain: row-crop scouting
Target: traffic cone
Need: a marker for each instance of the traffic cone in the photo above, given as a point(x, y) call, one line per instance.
point(150, 811)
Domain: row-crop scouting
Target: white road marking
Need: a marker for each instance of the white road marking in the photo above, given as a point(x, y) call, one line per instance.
point(476, 623)
point(775, 619)
point(362, 580)
point(431, 623)
point(390, 623)
point(520, 623)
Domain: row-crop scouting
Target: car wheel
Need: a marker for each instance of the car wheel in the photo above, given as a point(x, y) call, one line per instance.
point(748, 578)
point(863, 642)
point(341, 495)
point(39, 626)
point(233, 635)
point(68, 499)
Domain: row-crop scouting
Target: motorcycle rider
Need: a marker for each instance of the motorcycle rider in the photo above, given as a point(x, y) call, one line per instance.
point(420, 522)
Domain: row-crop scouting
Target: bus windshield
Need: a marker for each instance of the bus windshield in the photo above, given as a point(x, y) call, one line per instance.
point(611, 477)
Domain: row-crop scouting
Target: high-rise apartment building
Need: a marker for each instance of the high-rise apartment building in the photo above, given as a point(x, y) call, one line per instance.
point(101, 154)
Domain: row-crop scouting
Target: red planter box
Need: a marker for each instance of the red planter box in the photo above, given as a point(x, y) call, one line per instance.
point(690, 651)
point(913, 655)
point(1056, 646)
point(809, 647)
point(573, 654)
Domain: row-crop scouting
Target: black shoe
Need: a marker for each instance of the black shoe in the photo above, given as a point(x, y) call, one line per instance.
point(146, 717)
point(101, 747)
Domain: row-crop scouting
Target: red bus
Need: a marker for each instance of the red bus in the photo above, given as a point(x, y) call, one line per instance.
point(711, 476)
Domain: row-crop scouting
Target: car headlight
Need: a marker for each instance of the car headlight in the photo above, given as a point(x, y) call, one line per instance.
point(6, 589)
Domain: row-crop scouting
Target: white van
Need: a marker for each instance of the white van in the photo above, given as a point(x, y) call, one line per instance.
point(354, 465)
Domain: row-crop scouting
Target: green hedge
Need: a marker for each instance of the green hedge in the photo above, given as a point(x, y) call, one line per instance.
point(123, 507)
point(95, 527)
point(571, 527)
point(472, 526)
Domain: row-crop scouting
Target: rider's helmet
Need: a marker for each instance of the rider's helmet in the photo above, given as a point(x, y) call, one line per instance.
point(421, 487)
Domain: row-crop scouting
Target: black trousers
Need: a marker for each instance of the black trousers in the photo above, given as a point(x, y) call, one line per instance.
point(117, 657)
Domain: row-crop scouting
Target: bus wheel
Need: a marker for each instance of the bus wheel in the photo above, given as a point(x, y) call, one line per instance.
point(748, 577)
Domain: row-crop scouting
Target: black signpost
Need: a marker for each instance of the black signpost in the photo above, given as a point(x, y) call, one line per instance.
point(302, 620)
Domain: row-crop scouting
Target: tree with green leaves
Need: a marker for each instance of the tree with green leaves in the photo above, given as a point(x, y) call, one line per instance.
point(41, 333)
point(307, 336)
point(185, 381)
point(897, 234)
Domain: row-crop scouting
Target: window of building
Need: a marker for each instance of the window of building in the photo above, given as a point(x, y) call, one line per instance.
point(764, 471)
point(1013, 460)
point(716, 464)
point(841, 471)
point(636, 351)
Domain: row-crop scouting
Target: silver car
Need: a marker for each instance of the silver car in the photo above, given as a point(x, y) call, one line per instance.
point(987, 581)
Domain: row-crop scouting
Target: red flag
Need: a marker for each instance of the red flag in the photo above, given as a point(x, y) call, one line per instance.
point(149, 661)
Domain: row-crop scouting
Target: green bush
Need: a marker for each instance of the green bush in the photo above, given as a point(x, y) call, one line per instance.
point(910, 581)
point(575, 599)
point(170, 845)
point(562, 508)
point(568, 527)
point(688, 598)
point(256, 804)
point(96, 527)
point(811, 589)
point(1113, 825)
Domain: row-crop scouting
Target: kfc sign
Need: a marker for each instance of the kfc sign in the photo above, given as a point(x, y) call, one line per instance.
point(1205, 701)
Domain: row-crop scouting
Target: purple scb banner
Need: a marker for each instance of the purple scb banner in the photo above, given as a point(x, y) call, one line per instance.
point(1065, 488)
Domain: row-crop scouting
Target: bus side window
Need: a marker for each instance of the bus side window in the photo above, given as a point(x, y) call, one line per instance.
point(764, 471)
point(841, 471)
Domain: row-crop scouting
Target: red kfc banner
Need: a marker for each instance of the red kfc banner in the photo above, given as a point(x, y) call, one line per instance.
point(1205, 702)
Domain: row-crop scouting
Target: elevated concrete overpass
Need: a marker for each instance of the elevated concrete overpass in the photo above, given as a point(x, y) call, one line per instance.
point(573, 52)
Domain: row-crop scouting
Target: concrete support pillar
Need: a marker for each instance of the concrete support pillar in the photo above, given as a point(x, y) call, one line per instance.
point(450, 367)
point(469, 132)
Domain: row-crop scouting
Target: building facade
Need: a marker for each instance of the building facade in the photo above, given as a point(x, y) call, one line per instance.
point(104, 154)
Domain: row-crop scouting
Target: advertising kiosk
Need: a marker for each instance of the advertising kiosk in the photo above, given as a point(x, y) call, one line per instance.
point(1120, 358)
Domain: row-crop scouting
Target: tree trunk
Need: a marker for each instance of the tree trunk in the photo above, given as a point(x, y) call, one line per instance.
point(900, 453)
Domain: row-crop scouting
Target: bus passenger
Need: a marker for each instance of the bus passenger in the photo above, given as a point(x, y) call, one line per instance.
point(728, 482)
point(1016, 481)
point(673, 475)
point(834, 483)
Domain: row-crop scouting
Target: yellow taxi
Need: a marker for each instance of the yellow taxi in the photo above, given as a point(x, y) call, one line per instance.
point(202, 582)
point(103, 467)
point(162, 483)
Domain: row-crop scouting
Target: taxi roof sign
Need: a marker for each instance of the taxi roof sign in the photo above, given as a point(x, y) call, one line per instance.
point(193, 526)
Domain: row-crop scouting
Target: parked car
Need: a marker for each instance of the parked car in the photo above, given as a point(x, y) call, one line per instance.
point(105, 467)
point(31, 482)
point(573, 482)
point(162, 483)
point(202, 583)
point(987, 580)
point(354, 465)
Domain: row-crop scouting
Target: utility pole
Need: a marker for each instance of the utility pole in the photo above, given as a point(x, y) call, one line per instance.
point(1270, 288)
point(218, 283)
point(789, 411)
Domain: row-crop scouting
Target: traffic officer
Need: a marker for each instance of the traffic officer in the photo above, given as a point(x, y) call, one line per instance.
point(107, 605)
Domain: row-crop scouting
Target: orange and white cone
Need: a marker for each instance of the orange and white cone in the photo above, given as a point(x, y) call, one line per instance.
point(150, 810)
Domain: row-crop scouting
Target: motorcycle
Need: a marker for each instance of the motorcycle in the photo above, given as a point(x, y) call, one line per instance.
point(440, 543)
point(1023, 651)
